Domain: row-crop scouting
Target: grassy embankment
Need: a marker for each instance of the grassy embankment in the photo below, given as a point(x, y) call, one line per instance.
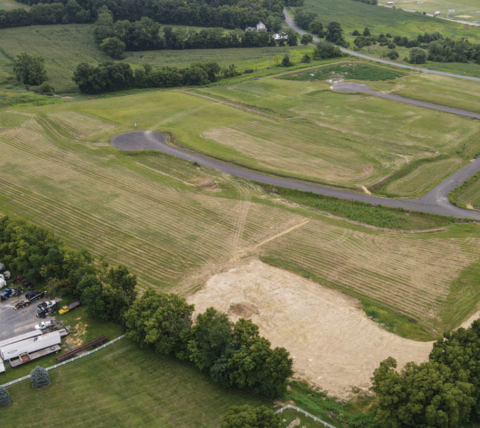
point(163, 218)
point(65, 46)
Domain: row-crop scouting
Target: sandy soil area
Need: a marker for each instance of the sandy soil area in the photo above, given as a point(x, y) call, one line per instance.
point(334, 344)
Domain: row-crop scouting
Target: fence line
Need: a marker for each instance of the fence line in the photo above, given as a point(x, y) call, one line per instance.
point(67, 361)
point(289, 406)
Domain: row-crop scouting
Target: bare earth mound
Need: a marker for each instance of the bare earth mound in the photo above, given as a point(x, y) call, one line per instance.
point(334, 344)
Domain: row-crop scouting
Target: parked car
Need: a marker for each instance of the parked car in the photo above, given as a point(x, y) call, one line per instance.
point(44, 324)
point(6, 294)
point(5, 275)
point(47, 305)
point(69, 307)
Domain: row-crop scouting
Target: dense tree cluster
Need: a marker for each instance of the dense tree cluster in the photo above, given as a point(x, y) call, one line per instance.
point(45, 14)
point(443, 392)
point(326, 50)
point(115, 38)
point(250, 417)
point(204, 13)
point(114, 76)
point(36, 253)
point(304, 18)
point(30, 70)
point(233, 354)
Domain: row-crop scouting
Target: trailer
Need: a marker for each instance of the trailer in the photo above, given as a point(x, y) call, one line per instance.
point(19, 338)
point(31, 345)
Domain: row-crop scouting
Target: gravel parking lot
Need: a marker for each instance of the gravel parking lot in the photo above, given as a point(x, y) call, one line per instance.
point(14, 322)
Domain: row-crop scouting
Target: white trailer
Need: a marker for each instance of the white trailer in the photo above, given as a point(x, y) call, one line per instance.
point(2, 366)
point(30, 345)
point(19, 338)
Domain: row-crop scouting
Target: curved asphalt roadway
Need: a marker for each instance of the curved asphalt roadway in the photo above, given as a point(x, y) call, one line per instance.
point(292, 25)
point(351, 87)
point(433, 202)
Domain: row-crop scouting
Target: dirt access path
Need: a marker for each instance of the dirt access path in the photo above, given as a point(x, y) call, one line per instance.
point(334, 344)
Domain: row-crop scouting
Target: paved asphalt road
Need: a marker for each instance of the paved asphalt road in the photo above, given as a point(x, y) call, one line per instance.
point(291, 24)
point(349, 87)
point(433, 202)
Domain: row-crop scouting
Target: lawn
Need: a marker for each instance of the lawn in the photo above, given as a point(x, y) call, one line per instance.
point(123, 386)
point(355, 15)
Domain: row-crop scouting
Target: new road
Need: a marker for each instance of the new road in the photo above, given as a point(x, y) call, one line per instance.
point(292, 25)
point(434, 202)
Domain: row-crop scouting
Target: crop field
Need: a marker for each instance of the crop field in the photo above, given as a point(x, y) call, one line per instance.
point(355, 15)
point(175, 223)
point(416, 273)
point(65, 46)
point(370, 137)
point(465, 10)
point(132, 387)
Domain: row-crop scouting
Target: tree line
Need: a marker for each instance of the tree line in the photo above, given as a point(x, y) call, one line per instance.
point(206, 13)
point(115, 76)
point(106, 291)
point(114, 38)
point(332, 33)
point(234, 355)
point(443, 392)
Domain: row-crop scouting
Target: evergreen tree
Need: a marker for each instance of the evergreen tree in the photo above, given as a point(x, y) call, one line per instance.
point(39, 377)
point(4, 397)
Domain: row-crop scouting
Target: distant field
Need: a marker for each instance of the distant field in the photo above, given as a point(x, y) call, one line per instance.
point(176, 224)
point(65, 46)
point(123, 386)
point(355, 15)
point(465, 10)
point(11, 4)
point(363, 138)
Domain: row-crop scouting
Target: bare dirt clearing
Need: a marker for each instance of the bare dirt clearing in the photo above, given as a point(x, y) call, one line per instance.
point(334, 344)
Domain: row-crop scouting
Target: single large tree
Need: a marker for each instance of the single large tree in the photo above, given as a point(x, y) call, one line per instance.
point(334, 33)
point(247, 416)
point(30, 70)
point(418, 56)
point(113, 47)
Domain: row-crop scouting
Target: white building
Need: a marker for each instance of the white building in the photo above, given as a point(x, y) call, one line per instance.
point(260, 28)
point(280, 36)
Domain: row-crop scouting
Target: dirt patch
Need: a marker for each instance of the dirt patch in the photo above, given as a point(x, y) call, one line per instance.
point(334, 344)
point(76, 339)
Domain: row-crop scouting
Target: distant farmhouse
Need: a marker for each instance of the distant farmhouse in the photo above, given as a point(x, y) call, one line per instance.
point(260, 28)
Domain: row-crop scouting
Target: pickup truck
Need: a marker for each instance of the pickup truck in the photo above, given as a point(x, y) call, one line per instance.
point(31, 296)
point(69, 307)
point(6, 294)
point(47, 305)
point(44, 324)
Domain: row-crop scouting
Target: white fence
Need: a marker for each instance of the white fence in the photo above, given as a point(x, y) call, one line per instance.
point(289, 406)
point(67, 361)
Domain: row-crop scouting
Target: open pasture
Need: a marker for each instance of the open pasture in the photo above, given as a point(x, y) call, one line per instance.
point(355, 15)
point(123, 386)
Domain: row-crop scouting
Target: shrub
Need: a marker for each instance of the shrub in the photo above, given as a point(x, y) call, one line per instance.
point(4, 397)
point(46, 89)
point(39, 377)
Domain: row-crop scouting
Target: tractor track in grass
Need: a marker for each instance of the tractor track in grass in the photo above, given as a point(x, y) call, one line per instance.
point(433, 202)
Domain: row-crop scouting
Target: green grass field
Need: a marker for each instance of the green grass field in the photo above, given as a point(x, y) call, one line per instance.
point(465, 10)
point(354, 15)
point(11, 4)
point(123, 386)
point(174, 224)
point(468, 194)
point(65, 46)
